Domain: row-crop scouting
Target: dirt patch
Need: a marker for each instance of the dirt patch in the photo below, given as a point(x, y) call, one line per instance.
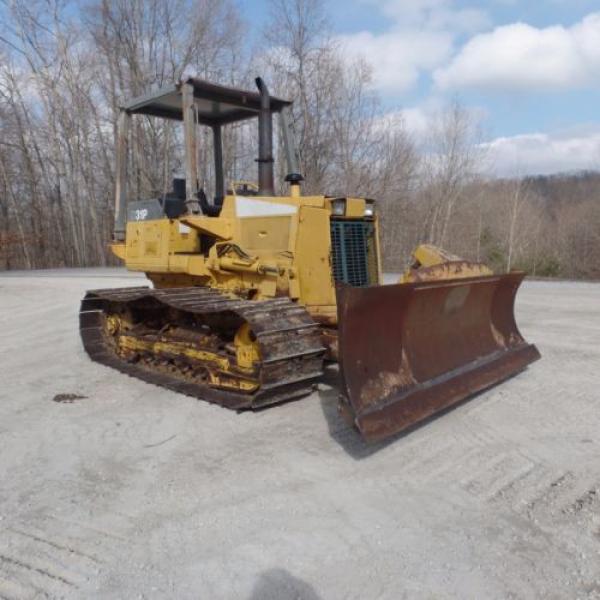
point(68, 398)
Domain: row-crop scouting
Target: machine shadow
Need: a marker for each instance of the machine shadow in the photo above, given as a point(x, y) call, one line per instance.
point(341, 431)
point(279, 584)
point(348, 437)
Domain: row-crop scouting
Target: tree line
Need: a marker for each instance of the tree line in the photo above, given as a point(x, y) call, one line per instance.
point(65, 68)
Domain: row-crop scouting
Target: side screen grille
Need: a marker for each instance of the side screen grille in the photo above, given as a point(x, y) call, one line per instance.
point(353, 255)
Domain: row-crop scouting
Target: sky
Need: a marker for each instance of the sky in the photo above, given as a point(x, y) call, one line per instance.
point(530, 69)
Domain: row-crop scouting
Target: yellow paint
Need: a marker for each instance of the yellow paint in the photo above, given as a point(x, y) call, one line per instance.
point(265, 233)
point(266, 256)
point(253, 255)
point(355, 207)
point(118, 249)
point(221, 227)
point(428, 255)
point(431, 263)
point(113, 324)
point(246, 347)
point(313, 257)
point(219, 368)
point(149, 244)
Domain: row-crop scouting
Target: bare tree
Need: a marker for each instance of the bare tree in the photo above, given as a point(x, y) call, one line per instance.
point(66, 67)
point(65, 74)
point(452, 161)
point(348, 145)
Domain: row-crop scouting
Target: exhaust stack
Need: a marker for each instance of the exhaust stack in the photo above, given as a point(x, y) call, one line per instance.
point(265, 142)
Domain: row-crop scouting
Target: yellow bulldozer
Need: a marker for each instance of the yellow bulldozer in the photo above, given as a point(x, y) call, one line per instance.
point(252, 291)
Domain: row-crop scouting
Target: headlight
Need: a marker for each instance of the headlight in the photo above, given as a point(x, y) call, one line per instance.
point(338, 207)
point(369, 208)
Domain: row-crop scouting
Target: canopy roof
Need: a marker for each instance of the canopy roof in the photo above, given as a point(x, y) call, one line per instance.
point(216, 104)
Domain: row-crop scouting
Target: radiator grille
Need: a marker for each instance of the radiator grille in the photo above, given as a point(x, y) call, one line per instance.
point(353, 255)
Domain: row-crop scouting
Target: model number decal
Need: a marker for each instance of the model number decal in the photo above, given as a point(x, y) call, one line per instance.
point(141, 214)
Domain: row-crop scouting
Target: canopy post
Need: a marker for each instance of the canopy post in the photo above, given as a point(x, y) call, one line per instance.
point(121, 176)
point(265, 141)
point(191, 148)
point(218, 157)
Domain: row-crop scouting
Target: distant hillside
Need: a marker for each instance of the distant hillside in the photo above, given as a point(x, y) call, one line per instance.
point(563, 187)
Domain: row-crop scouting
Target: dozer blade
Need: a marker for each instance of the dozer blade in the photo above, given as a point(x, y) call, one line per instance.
point(410, 350)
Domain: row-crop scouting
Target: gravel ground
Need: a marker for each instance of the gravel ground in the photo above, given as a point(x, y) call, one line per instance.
point(136, 492)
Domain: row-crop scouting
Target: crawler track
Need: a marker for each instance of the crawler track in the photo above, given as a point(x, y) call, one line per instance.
point(289, 341)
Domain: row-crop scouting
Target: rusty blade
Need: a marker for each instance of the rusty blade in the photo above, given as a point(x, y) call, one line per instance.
point(407, 351)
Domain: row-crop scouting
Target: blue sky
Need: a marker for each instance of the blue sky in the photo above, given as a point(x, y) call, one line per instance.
point(531, 69)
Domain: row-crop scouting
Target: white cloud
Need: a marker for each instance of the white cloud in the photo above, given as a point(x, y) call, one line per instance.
point(417, 121)
point(397, 58)
point(436, 15)
point(543, 154)
point(424, 120)
point(522, 57)
point(527, 154)
point(421, 38)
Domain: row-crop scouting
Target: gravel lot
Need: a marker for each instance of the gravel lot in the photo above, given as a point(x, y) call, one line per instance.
point(137, 492)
